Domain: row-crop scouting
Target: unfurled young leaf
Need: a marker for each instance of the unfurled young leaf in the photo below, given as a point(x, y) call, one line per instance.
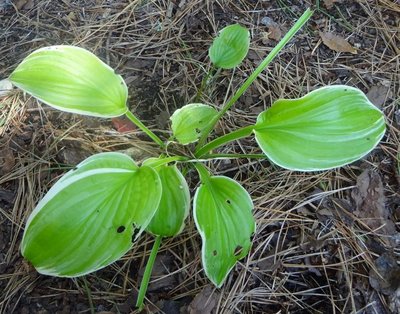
point(169, 219)
point(223, 216)
point(329, 127)
point(190, 121)
point(72, 79)
point(230, 47)
point(91, 216)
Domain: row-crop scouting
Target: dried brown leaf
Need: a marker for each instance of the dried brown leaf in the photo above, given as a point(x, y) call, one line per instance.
point(337, 43)
point(123, 124)
point(329, 3)
point(369, 199)
point(274, 32)
point(340, 208)
point(7, 160)
point(23, 4)
point(29, 5)
point(377, 94)
point(162, 271)
point(385, 276)
point(204, 302)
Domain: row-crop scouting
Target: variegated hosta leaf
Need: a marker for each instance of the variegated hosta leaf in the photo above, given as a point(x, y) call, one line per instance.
point(329, 127)
point(88, 219)
point(72, 79)
point(223, 216)
point(230, 47)
point(190, 122)
point(173, 209)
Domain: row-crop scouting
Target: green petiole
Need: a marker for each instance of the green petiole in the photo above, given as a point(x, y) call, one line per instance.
point(141, 126)
point(240, 133)
point(204, 83)
point(202, 171)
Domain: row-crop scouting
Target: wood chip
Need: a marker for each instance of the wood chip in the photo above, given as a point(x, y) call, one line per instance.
point(337, 43)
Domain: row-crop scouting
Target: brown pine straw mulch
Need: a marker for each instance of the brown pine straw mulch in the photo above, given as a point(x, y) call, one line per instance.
point(326, 242)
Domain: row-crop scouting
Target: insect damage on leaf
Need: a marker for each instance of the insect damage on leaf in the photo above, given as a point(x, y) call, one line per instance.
point(120, 229)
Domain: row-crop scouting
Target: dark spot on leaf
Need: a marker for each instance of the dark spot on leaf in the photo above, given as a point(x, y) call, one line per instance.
point(75, 168)
point(238, 250)
point(215, 252)
point(368, 139)
point(200, 122)
point(198, 131)
point(228, 201)
point(120, 229)
point(345, 89)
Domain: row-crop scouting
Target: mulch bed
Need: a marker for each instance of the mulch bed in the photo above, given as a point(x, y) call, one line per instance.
point(326, 242)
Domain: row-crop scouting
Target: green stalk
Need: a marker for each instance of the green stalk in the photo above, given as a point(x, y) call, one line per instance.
point(219, 141)
point(295, 28)
point(203, 172)
point(147, 273)
point(141, 126)
point(162, 161)
point(204, 83)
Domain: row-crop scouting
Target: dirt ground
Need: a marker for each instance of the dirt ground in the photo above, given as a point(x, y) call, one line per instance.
point(326, 242)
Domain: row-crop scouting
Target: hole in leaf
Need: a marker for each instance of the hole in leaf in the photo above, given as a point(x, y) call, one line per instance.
point(228, 202)
point(198, 131)
point(135, 232)
point(215, 253)
point(238, 250)
point(121, 229)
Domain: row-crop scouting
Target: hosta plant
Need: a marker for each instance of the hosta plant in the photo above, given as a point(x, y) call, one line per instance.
point(96, 212)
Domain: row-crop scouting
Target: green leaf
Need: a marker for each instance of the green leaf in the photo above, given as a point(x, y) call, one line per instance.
point(329, 127)
point(173, 209)
point(72, 79)
point(223, 216)
point(230, 47)
point(101, 160)
point(190, 122)
point(91, 216)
